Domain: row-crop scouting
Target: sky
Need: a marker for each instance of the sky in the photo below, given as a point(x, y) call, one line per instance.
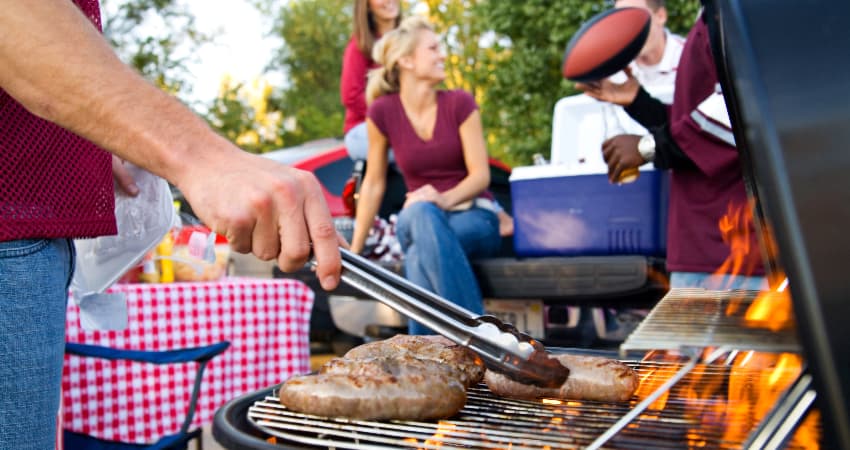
point(240, 49)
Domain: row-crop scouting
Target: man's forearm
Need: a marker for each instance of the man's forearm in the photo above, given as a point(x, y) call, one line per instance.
point(58, 66)
point(647, 110)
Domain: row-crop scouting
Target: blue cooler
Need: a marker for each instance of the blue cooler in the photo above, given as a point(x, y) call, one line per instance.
point(561, 214)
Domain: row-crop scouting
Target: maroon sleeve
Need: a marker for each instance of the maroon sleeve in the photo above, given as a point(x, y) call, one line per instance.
point(352, 85)
point(378, 113)
point(464, 105)
point(711, 156)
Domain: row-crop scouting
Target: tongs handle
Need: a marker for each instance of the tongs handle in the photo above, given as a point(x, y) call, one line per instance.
point(456, 323)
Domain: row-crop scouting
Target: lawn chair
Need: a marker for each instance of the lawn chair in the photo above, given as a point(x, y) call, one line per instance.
point(180, 440)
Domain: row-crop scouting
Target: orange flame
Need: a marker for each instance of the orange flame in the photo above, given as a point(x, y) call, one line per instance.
point(443, 429)
point(755, 384)
point(735, 403)
point(735, 231)
point(772, 310)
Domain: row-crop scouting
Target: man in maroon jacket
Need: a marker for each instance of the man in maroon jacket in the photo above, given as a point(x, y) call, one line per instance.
point(711, 237)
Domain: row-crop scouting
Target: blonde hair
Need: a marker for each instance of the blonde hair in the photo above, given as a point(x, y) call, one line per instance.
point(388, 51)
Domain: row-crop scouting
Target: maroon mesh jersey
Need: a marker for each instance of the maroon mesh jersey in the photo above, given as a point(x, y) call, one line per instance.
point(52, 182)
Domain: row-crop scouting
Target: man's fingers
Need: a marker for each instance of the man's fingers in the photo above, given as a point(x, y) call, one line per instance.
point(123, 178)
point(265, 239)
point(238, 232)
point(613, 167)
point(294, 239)
point(326, 240)
point(607, 149)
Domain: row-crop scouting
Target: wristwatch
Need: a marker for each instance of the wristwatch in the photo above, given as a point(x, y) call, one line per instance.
point(646, 147)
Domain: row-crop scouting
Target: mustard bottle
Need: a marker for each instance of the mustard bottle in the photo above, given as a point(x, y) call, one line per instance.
point(166, 266)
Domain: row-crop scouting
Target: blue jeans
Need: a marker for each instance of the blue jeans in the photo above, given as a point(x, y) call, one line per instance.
point(437, 245)
point(719, 282)
point(34, 279)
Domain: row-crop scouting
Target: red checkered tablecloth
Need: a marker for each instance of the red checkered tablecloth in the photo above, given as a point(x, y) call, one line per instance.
point(266, 321)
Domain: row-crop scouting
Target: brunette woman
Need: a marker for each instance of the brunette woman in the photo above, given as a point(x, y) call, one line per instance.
point(372, 19)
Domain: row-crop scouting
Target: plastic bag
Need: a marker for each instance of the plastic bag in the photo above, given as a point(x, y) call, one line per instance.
point(142, 222)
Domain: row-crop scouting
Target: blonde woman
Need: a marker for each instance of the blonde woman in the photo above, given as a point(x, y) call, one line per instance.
point(449, 216)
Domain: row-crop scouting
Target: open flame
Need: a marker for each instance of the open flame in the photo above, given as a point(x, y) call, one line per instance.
point(735, 228)
point(772, 309)
point(755, 380)
point(732, 405)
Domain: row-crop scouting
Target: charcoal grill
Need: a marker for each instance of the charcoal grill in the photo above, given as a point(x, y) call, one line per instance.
point(784, 71)
point(678, 421)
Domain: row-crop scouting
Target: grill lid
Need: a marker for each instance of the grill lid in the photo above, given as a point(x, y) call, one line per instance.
point(786, 90)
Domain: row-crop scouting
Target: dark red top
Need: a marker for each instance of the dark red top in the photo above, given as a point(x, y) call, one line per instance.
point(52, 182)
point(438, 161)
point(352, 84)
point(700, 197)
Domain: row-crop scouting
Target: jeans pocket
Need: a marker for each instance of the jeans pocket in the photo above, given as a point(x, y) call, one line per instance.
point(27, 260)
point(22, 247)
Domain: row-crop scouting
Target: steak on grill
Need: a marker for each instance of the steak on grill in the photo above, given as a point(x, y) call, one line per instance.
point(377, 388)
point(404, 377)
point(591, 378)
point(436, 348)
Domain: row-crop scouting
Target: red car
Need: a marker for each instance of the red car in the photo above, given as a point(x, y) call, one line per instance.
point(329, 161)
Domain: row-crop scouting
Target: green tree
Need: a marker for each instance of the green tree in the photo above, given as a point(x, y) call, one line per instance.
point(314, 35)
point(524, 67)
point(241, 114)
point(157, 37)
point(461, 32)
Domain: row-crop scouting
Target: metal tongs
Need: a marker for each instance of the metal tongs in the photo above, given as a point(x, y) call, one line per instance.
point(500, 345)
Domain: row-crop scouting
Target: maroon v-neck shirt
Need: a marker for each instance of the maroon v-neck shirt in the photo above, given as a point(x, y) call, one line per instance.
point(439, 160)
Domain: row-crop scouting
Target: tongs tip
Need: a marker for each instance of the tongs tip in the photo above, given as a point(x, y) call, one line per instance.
point(527, 360)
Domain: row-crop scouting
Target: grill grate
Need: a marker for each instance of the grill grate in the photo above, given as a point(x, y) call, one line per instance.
point(487, 421)
point(701, 318)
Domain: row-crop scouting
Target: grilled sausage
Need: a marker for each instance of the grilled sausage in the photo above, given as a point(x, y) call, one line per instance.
point(377, 388)
point(436, 348)
point(591, 378)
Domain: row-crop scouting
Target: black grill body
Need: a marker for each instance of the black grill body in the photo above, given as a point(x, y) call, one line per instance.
point(785, 72)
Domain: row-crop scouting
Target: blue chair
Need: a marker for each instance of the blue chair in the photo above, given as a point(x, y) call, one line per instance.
point(180, 440)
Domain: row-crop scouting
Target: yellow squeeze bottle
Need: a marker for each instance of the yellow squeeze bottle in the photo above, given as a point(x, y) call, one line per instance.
point(166, 266)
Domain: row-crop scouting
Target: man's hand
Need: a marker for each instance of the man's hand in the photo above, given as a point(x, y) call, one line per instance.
point(620, 153)
point(122, 177)
point(607, 91)
point(268, 209)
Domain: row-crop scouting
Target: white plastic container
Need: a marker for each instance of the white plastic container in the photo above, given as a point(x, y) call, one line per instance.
point(578, 132)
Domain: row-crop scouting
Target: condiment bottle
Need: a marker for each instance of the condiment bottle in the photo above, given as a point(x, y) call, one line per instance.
point(166, 266)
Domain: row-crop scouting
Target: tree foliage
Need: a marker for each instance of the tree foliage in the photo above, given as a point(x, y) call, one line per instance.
point(314, 34)
point(241, 114)
point(157, 37)
point(461, 32)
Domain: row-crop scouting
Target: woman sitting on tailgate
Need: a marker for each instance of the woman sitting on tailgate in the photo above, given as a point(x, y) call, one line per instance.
point(439, 146)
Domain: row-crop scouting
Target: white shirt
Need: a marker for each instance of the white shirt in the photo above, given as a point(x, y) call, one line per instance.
point(663, 74)
point(658, 80)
